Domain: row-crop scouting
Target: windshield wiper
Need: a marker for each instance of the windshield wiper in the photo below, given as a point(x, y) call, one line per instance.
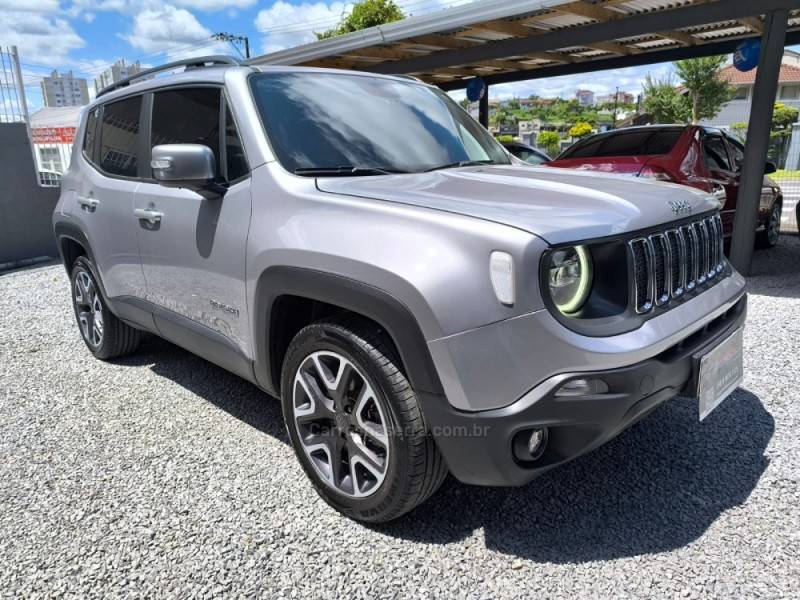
point(462, 163)
point(344, 171)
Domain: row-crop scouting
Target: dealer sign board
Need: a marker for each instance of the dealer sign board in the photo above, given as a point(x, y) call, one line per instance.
point(53, 135)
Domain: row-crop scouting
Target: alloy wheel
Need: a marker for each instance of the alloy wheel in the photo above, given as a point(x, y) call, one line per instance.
point(341, 424)
point(89, 308)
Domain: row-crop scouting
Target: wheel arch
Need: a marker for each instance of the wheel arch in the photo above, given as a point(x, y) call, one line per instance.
point(278, 287)
point(72, 243)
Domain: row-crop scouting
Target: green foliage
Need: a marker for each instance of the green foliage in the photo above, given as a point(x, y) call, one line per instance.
point(663, 102)
point(739, 129)
point(465, 103)
point(366, 13)
point(503, 117)
point(706, 91)
point(505, 138)
point(550, 141)
point(784, 116)
point(580, 130)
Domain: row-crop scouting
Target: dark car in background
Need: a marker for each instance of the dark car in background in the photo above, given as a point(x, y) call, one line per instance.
point(526, 153)
point(702, 157)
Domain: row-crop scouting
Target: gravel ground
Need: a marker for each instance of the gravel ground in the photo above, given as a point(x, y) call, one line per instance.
point(162, 475)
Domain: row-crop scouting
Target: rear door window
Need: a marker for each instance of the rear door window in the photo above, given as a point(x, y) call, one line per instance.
point(715, 153)
point(736, 153)
point(119, 137)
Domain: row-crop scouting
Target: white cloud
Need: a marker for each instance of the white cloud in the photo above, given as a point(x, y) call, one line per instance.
point(30, 5)
point(40, 38)
point(210, 5)
point(285, 25)
point(172, 30)
point(600, 82)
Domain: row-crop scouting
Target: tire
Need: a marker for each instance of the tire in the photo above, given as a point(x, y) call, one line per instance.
point(772, 228)
point(114, 338)
point(357, 355)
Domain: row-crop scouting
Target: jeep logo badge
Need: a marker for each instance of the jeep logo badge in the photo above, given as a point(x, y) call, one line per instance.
point(680, 207)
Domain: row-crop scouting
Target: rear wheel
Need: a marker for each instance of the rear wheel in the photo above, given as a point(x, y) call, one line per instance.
point(772, 228)
point(355, 422)
point(104, 334)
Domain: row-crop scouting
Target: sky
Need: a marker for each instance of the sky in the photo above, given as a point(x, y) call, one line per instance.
point(85, 36)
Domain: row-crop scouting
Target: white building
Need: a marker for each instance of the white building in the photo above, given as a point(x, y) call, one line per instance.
point(64, 89)
point(585, 97)
point(119, 70)
point(53, 132)
point(738, 109)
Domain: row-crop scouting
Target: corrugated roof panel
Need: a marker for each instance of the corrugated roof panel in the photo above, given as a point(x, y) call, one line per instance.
point(642, 6)
point(561, 20)
point(723, 33)
point(652, 44)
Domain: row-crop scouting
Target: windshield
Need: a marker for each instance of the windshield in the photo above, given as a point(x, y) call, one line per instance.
point(361, 125)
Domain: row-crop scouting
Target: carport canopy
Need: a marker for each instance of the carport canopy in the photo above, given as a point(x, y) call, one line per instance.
point(504, 41)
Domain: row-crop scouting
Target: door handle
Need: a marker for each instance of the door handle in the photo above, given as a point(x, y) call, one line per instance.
point(88, 203)
point(151, 216)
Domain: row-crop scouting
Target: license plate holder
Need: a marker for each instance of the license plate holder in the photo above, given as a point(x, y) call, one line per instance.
point(721, 371)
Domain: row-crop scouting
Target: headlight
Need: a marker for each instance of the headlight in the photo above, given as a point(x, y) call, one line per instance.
point(570, 278)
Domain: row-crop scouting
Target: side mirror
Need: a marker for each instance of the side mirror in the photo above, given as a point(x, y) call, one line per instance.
point(190, 166)
point(769, 167)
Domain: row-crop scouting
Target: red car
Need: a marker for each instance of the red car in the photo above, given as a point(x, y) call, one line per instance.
point(702, 157)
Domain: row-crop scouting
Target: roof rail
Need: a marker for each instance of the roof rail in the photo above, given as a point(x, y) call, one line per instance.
point(190, 63)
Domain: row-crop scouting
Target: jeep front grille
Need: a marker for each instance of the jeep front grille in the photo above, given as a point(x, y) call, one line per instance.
point(667, 264)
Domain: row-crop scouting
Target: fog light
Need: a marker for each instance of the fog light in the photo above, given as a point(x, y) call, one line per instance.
point(536, 442)
point(530, 444)
point(583, 387)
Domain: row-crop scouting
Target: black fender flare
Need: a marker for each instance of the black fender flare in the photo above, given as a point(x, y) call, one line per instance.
point(361, 298)
point(72, 232)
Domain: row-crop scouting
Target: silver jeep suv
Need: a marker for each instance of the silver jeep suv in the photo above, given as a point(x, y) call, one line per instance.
point(421, 302)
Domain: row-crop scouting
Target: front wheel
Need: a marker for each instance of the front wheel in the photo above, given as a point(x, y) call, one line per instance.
point(355, 422)
point(772, 228)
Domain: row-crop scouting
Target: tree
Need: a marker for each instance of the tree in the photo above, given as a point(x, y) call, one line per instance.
point(706, 90)
point(502, 117)
point(580, 130)
point(465, 103)
point(550, 141)
point(366, 13)
point(783, 116)
point(664, 102)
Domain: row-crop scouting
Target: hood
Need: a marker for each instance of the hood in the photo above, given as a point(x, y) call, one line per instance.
point(558, 205)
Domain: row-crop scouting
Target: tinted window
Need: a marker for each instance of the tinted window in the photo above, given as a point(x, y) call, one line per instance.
point(716, 156)
point(234, 152)
point(736, 152)
point(119, 137)
point(528, 155)
point(90, 135)
point(324, 120)
point(187, 116)
point(636, 142)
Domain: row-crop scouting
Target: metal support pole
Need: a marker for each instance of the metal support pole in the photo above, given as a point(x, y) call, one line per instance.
point(23, 103)
point(755, 151)
point(483, 109)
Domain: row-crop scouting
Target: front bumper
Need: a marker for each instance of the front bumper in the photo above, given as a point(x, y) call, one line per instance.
point(477, 446)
